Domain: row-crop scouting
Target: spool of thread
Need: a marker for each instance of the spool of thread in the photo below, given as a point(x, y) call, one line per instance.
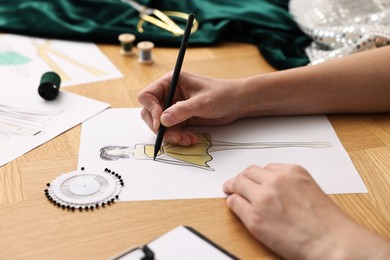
point(126, 40)
point(49, 86)
point(145, 52)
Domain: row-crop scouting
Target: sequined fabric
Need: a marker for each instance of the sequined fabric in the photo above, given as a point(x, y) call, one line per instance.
point(342, 27)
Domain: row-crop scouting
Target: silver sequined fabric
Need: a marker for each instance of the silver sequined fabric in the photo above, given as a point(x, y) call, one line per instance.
point(342, 27)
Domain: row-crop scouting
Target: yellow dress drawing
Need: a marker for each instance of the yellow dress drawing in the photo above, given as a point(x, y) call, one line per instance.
point(196, 154)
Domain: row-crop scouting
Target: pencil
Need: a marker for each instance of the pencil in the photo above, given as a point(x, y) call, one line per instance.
point(175, 79)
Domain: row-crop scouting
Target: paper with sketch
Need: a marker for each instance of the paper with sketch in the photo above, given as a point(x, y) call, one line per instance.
point(118, 139)
point(27, 120)
point(26, 59)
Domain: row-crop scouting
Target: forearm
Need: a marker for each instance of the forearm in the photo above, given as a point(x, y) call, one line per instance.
point(359, 83)
point(347, 243)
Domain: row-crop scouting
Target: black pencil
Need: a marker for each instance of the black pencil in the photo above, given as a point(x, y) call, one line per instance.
point(175, 78)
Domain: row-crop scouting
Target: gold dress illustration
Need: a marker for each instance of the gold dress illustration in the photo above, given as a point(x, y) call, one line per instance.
point(196, 154)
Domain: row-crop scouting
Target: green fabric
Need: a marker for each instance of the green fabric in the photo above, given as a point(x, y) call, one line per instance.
point(265, 23)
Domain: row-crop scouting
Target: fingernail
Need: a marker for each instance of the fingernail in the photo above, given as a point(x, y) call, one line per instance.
point(155, 125)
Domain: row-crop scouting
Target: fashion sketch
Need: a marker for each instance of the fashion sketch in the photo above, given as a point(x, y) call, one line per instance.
point(198, 155)
point(45, 50)
point(22, 121)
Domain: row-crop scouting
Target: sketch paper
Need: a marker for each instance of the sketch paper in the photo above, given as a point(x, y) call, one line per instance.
point(26, 59)
point(27, 120)
point(174, 178)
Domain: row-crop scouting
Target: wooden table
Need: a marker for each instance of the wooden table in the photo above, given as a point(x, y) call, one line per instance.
point(32, 228)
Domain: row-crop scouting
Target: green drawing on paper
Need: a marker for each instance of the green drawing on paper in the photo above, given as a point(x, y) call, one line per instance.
point(13, 58)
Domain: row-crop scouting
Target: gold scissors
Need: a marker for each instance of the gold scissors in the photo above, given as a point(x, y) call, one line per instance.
point(160, 19)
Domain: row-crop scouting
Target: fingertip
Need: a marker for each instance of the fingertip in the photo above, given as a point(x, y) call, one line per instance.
point(156, 124)
point(178, 138)
point(193, 137)
point(145, 115)
point(229, 200)
point(236, 203)
point(226, 186)
point(166, 119)
point(186, 139)
point(171, 138)
point(141, 97)
point(175, 114)
point(156, 114)
point(241, 207)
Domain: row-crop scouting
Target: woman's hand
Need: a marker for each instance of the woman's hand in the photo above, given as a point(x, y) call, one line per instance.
point(283, 207)
point(198, 101)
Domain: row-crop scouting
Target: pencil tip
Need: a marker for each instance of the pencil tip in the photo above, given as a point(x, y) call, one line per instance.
point(155, 153)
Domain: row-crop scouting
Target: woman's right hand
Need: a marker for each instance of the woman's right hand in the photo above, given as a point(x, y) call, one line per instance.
point(198, 101)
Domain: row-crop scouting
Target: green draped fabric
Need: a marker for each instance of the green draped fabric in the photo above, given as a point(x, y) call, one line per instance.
point(265, 23)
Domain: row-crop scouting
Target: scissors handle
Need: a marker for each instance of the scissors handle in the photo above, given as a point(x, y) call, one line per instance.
point(165, 18)
point(163, 21)
point(158, 23)
point(156, 17)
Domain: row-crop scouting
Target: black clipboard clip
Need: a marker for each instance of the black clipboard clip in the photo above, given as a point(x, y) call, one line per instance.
point(143, 253)
point(149, 255)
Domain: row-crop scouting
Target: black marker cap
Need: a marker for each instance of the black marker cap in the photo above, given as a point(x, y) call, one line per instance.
point(49, 86)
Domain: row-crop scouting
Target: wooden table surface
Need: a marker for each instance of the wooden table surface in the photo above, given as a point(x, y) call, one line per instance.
point(32, 228)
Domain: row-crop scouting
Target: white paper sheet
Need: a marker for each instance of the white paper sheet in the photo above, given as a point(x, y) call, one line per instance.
point(27, 120)
point(146, 179)
point(179, 243)
point(26, 59)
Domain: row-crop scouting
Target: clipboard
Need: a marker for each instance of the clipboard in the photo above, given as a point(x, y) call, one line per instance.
point(182, 242)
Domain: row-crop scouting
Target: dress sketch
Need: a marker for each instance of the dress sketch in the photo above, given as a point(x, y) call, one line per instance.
point(45, 49)
point(23, 121)
point(197, 155)
point(55, 58)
